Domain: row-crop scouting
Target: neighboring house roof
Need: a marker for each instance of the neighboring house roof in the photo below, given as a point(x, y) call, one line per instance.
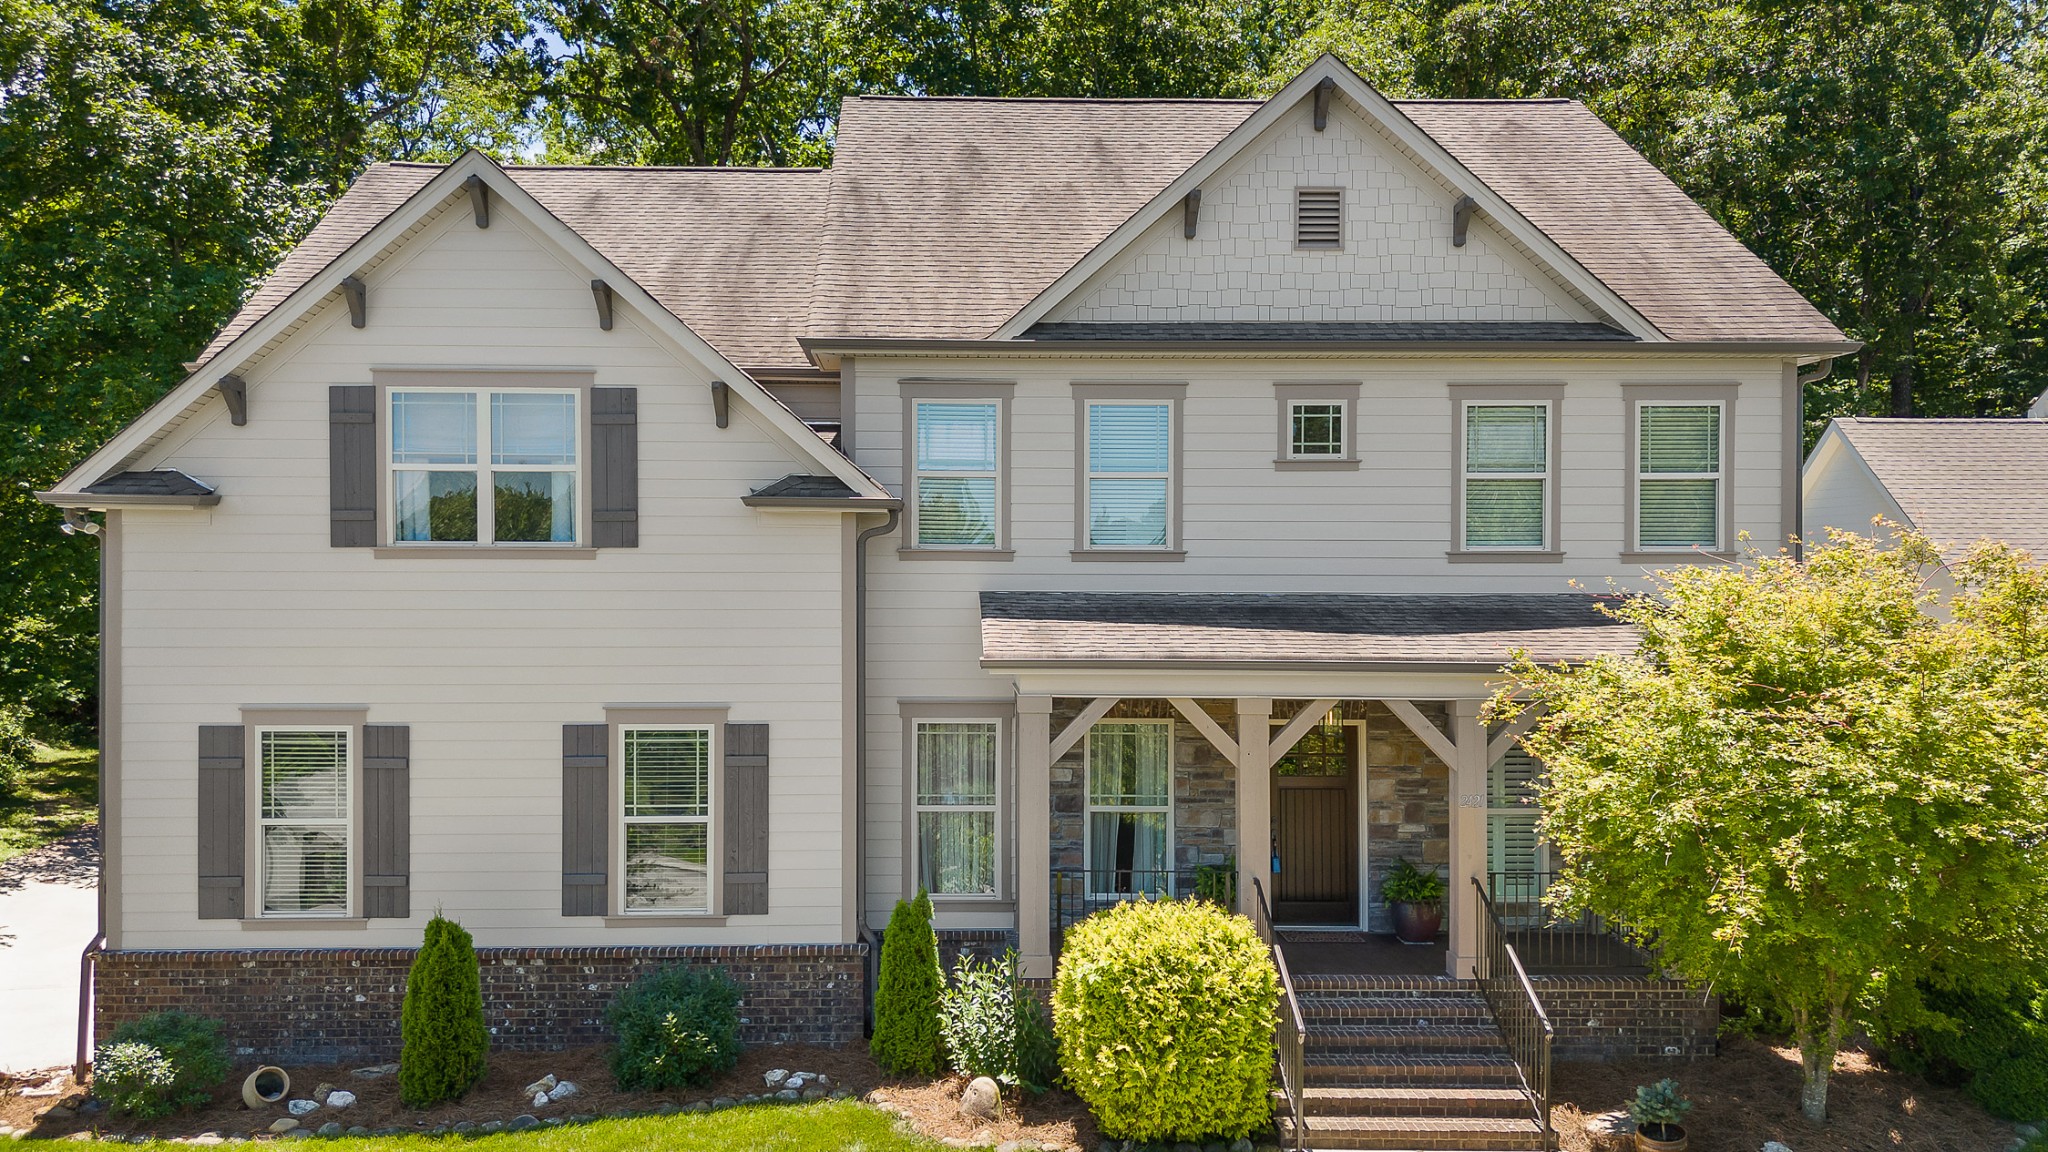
point(1961, 481)
point(1319, 629)
point(941, 218)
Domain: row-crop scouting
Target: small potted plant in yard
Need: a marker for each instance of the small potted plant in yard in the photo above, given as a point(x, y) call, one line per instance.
point(1659, 1112)
point(1416, 899)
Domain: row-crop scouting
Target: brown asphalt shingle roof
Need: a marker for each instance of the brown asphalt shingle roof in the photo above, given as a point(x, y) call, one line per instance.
point(1233, 628)
point(940, 218)
point(1962, 481)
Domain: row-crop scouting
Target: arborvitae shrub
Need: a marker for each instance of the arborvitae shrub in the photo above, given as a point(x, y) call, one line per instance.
point(676, 1027)
point(1164, 1014)
point(906, 1040)
point(446, 1044)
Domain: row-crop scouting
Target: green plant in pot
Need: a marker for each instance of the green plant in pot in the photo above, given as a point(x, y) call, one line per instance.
point(1659, 1114)
point(1416, 899)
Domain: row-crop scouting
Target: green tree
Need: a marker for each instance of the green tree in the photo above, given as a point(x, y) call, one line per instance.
point(446, 1045)
point(907, 1039)
point(1811, 791)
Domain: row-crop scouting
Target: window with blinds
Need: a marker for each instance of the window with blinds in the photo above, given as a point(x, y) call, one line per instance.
point(1511, 813)
point(303, 819)
point(957, 473)
point(1318, 217)
point(1507, 476)
point(667, 789)
point(955, 806)
point(1678, 476)
point(1130, 807)
point(1130, 473)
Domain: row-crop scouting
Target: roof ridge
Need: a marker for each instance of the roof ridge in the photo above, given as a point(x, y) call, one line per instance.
point(1482, 100)
point(898, 97)
point(424, 165)
point(1921, 420)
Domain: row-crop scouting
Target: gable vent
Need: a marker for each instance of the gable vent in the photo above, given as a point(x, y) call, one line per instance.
point(1318, 217)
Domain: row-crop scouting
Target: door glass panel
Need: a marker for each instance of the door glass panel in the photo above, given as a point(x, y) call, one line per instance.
point(1322, 751)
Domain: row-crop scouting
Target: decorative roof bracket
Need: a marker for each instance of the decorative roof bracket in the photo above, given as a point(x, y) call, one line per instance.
point(235, 391)
point(721, 400)
point(479, 199)
point(603, 293)
point(1461, 219)
point(1324, 87)
point(358, 295)
point(1190, 208)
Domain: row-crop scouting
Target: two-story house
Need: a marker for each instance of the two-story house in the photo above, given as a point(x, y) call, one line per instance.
point(1054, 501)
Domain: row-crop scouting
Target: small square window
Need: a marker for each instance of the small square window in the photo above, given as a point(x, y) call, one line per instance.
point(1315, 430)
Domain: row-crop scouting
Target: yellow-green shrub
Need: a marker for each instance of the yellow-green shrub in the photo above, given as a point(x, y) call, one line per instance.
point(1164, 1014)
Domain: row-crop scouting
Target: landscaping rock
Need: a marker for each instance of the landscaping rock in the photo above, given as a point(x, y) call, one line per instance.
point(694, 1107)
point(1017, 1146)
point(540, 1100)
point(358, 1130)
point(554, 1122)
point(775, 1077)
point(789, 1095)
point(842, 1093)
point(563, 1091)
point(667, 1108)
point(283, 1124)
point(1611, 1132)
point(340, 1099)
point(376, 1070)
point(60, 1112)
point(1776, 1146)
point(542, 1086)
point(1184, 1146)
point(721, 1103)
point(1214, 1146)
point(814, 1093)
point(463, 1127)
point(1240, 1145)
point(331, 1128)
point(302, 1107)
point(982, 1100)
point(822, 1080)
point(321, 1092)
point(522, 1122)
point(490, 1126)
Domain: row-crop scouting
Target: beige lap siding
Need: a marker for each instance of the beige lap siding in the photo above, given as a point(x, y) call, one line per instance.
point(484, 659)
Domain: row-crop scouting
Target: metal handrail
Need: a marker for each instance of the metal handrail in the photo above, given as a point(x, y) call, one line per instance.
point(1553, 941)
point(1511, 998)
point(1290, 1031)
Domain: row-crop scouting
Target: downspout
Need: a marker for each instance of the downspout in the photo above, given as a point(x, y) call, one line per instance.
point(1814, 375)
point(76, 522)
point(860, 753)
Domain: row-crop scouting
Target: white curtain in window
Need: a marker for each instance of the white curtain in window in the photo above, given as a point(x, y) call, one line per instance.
point(956, 802)
point(1130, 794)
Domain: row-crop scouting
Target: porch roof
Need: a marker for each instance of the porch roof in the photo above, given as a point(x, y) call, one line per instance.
point(1294, 629)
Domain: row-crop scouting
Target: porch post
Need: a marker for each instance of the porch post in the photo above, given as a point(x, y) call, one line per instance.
point(1034, 836)
point(1468, 834)
point(1254, 799)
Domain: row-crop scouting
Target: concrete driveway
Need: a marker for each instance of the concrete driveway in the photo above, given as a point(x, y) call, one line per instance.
point(49, 902)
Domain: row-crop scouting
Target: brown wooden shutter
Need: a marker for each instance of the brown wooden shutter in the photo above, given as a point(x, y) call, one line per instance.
point(615, 467)
point(586, 818)
point(352, 465)
point(223, 820)
point(746, 819)
point(387, 821)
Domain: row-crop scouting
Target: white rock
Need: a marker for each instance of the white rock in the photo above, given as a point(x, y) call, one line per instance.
point(540, 1099)
point(340, 1098)
point(982, 1100)
point(302, 1107)
point(797, 1080)
point(775, 1077)
point(1775, 1146)
point(563, 1091)
point(283, 1124)
point(543, 1085)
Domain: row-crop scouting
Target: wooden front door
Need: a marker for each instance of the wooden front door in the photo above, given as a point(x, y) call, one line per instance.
point(1315, 822)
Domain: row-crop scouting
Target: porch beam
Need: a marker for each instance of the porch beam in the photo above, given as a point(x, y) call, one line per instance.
point(1206, 725)
point(1034, 835)
point(1079, 726)
point(1426, 732)
point(1298, 727)
point(1514, 730)
point(1254, 799)
point(1468, 834)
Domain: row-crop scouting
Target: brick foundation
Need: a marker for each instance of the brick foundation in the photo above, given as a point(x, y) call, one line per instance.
point(1615, 1017)
point(985, 943)
point(342, 1004)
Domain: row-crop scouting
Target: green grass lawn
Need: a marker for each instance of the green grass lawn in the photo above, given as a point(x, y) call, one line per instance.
point(59, 795)
point(827, 1126)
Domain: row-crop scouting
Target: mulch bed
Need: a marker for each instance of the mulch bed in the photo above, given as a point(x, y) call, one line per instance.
point(1750, 1094)
point(1057, 1119)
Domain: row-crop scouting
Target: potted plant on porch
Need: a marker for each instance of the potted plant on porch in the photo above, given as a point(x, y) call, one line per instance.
point(1659, 1111)
point(1416, 899)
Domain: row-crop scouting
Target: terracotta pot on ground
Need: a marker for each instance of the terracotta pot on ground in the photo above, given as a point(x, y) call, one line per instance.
point(266, 1085)
point(1417, 923)
point(1660, 1138)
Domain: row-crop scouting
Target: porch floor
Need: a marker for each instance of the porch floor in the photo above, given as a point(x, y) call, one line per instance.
point(1312, 952)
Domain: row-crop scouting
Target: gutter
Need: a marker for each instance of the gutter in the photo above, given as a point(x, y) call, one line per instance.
point(1813, 375)
point(860, 754)
point(827, 351)
point(74, 524)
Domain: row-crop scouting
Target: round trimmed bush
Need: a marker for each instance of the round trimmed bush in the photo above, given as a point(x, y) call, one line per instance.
point(677, 1027)
point(1164, 1015)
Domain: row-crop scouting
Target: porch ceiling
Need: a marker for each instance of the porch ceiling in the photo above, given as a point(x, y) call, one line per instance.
point(1306, 631)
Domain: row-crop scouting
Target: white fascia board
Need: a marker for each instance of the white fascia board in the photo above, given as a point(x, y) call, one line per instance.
point(1395, 124)
point(197, 387)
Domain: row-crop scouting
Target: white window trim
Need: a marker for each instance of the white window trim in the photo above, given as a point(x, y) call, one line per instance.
point(1089, 808)
point(1719, 475)
point(486, 503)
point(994, 808)
point(915, 473)
point(714, 753)
point(1169, 476)
point(348, 823)
point(1548, 475)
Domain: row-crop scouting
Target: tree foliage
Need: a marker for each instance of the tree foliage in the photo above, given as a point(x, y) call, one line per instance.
point(907, 1039)
point(1815, 794)
point(446, 1045)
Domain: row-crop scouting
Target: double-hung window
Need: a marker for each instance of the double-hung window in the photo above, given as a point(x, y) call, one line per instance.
point(1130, 807)
point(667, 785)
point(304, 828)
point(1678, 476)
point(956, 806)
point(956, 473)
point(1129, 482)
point(1507, 477)
point(484, 467)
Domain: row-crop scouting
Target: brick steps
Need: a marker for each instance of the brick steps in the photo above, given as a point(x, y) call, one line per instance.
point(1501, 1103)
point(1347, 1008)
point(1406, 1133)
point(1416, 1040)
point(1372, 1070)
